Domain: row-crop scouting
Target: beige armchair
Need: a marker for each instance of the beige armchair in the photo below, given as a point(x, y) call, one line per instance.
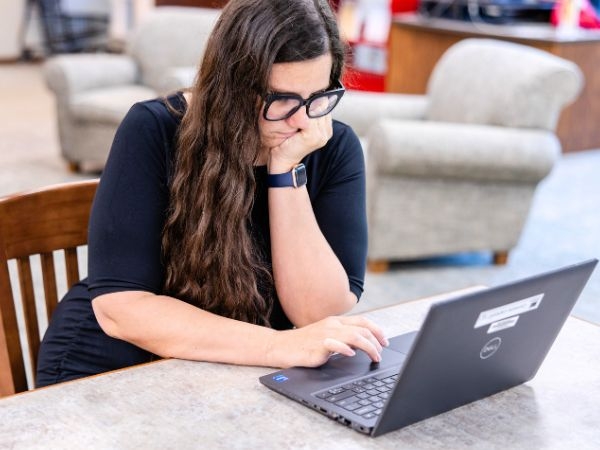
point(95, 91)
point(456, 170)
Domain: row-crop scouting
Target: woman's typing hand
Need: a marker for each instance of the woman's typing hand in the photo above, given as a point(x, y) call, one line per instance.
point(312, 345)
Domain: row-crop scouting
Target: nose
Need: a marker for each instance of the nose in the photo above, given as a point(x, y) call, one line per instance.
point(299, 119)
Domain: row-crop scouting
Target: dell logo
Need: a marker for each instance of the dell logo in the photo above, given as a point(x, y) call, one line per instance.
point(490, 348)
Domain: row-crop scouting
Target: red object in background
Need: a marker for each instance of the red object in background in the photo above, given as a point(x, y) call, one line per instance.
point(359, 80)
point(368, 72)
point(399, 6)
point(588, 18)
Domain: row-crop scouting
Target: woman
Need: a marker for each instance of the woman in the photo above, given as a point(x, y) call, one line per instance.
point(229, 223)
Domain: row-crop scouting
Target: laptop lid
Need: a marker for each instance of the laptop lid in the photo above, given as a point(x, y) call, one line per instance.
point(468, 348)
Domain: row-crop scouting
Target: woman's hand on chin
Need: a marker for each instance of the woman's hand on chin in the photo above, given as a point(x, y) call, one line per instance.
point(303, 142)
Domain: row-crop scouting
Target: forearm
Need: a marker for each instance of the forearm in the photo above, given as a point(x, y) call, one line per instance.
point(311, 282)
point(169, 327)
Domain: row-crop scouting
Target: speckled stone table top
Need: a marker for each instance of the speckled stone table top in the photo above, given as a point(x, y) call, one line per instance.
point(174, 404)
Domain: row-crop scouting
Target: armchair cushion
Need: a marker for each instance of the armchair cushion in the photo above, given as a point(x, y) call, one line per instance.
point(108, 105)
point(461, 151)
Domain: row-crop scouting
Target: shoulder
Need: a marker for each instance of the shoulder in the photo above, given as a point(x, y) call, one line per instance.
point(146, 138)
point(339, 162)
point(344, 147)
point(166, 112)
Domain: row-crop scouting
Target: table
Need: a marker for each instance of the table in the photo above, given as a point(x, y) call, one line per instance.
point(417, 43)
point(182, 404)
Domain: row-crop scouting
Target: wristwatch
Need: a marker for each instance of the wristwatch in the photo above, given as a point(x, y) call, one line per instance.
point(294, 178)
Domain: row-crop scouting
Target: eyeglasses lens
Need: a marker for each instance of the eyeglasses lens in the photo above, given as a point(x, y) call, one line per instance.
point(279, 109)
point(321, 106)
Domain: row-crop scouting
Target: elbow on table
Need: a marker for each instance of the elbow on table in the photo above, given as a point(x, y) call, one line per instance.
point(114, 312)
point(108, 325)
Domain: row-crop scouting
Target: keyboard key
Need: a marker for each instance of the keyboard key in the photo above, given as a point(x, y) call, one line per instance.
point(351, 406)
point(347, 401)
point(341, 396)
point(336, 390)
point(364, 410)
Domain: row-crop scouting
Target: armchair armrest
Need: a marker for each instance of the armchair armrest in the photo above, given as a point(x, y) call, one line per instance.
point(69, 74)
point(361, 110)
point(448, 150)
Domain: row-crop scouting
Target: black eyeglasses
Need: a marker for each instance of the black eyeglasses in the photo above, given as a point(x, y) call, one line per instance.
point(282, 106)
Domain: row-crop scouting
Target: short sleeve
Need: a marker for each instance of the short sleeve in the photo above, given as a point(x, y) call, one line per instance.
point(129, 209)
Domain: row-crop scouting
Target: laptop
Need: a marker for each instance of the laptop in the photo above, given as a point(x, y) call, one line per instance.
point(468, 348)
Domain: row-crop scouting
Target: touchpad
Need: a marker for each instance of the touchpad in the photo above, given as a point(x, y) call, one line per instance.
point(403, 342)
point(361, 363)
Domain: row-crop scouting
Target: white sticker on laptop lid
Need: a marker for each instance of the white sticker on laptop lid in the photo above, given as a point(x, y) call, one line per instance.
point(503, 324)
point(509, 310)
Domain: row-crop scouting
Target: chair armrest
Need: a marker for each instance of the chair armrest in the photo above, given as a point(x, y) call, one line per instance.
point(361, 110)
point(448, 150)
point(67, 75)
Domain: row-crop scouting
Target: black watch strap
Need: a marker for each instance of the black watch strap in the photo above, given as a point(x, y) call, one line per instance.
point(294, 178)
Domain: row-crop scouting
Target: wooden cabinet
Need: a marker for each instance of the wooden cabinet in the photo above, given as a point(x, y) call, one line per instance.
point(416, 44)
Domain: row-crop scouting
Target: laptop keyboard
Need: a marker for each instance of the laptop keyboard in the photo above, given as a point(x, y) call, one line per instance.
point(364, 397)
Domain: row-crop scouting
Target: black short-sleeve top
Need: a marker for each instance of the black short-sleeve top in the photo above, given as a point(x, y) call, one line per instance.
point(129, 209)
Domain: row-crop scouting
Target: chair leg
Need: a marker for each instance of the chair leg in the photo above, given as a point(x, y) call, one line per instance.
point(501, 257)
point(74, 167)
point(378, 265)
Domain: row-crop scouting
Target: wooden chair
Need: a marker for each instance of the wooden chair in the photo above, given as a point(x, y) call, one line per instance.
point(36, 223)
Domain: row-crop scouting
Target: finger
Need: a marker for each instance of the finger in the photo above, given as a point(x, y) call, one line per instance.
point(335, 346)
point(368, 346)
point(362, 321)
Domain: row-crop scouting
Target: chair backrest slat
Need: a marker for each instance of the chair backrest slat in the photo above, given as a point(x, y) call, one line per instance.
point(36, 223)
point(12, 369)
point(49, 277)
point(72, 265)
point(29, 311)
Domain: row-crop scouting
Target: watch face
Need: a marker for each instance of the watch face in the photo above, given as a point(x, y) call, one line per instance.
point(300, 178)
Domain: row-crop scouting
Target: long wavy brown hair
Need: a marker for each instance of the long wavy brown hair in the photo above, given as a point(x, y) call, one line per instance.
point(211, 259)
